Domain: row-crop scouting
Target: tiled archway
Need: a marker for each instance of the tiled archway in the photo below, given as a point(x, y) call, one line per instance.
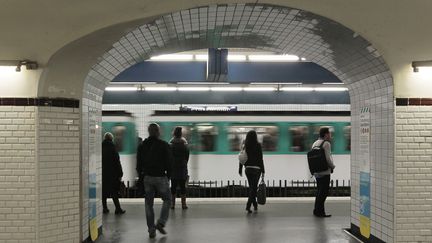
point(279, 29)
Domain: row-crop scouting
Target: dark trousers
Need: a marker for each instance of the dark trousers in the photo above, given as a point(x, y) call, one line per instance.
point(252, 176)
point(323, 186)
point(178, 182)
point(114, 198)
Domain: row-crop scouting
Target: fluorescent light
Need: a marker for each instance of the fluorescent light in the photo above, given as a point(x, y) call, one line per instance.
point(273, 58)
point(227, 89)
point(296, 89)
point(201, 57)
point(330, 89)
point(7, 69)
point(303, 59)
point(194, 89)
point(236, 58)
point(259, 89)
point(112, 88)
point(333, 83)
point(160, 88)
point(172, 57)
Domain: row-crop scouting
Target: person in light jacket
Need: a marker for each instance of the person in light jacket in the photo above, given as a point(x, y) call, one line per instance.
point(323, 177)
point(254, 167)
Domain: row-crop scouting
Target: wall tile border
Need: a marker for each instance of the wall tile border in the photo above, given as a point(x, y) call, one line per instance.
point(54, 102)
point(413, 101)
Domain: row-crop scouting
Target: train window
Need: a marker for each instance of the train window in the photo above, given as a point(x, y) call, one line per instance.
point(207, 138)
point(347, 136)
point(119, 133)
point(267, 136)
point(299, 136)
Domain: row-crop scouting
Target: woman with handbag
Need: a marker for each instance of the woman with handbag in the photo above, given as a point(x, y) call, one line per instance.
point(254, 166)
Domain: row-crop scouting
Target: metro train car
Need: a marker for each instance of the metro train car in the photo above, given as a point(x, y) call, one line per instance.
point(122, 125)
point(215, 139)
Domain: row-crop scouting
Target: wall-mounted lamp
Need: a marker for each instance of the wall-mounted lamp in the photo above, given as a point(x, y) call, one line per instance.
point(30, 65)
point(416, 64)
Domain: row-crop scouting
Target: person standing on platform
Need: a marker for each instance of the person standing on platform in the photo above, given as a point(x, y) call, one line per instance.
point(323, 177)
point(254, 167)
point(179, 176)
point(154, 163)
point(111, 174)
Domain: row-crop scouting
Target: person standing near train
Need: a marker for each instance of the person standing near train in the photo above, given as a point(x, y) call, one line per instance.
point(323, 177)
point(254, 167)
point(154, 164)
point(179, 175)
point(111, 174)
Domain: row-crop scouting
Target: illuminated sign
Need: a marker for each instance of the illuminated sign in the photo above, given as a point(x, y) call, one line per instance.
point(208, 108)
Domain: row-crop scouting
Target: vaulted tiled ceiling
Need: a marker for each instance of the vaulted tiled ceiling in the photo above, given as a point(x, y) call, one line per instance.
point(266, 27)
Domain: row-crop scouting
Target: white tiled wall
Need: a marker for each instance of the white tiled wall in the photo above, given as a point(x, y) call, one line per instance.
point(375, 92)
point(18, 180)
point(91, 148)
point(59, 169)
point(413, 174)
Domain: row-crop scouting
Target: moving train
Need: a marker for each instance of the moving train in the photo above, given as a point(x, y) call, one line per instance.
point(215, 139)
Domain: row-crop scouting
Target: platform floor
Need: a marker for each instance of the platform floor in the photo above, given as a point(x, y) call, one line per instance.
point(209, 221)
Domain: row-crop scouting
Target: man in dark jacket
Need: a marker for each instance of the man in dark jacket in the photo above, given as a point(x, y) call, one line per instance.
point(154, 163)
point(111, 174)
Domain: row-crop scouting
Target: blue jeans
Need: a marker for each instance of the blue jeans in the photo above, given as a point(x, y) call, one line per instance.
point(159, 185)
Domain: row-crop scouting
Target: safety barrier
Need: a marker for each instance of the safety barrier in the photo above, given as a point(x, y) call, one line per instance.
point(232, 188)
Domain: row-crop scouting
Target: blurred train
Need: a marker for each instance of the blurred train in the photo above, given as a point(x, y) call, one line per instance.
point(122, 125)
point(215, 138)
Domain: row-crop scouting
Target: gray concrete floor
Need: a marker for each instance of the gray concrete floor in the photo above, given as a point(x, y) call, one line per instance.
point(218, 222)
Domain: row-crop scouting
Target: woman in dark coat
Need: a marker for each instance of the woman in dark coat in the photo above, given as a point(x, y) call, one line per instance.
point(179, 176)
point(111, 174)
point(254, 167)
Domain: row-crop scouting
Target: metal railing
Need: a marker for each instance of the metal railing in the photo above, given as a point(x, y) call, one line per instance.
point(233, 188)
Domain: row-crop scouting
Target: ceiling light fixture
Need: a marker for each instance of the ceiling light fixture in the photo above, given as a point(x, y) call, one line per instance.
point(193, 89)
point(273, 58)
point(160, 89)
point(418, 64)
point(124, 88)
point(331, 89)
point(172, 57)
point(226, 89)
point(259, 89)
point(299, 89)
point(30, 65)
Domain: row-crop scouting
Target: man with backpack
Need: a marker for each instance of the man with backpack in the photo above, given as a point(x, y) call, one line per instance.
point(154, 163)
point(322, 175)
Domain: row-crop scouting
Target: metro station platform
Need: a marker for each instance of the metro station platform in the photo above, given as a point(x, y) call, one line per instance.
point(225, 220)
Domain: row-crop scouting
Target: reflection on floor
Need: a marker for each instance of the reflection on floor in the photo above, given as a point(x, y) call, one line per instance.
point(286, 220)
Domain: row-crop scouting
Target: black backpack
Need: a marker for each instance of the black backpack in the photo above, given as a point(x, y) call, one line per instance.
point(317, 159)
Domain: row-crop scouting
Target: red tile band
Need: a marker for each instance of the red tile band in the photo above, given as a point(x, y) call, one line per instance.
point(413, 101)
point(55, 102)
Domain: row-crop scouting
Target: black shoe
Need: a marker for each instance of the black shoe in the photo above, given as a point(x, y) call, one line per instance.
point(105, 210)
point(120, 211)
point(255, 205)
point(326, 215)
point(161, 229)
point(152, 234)
point(248, 210)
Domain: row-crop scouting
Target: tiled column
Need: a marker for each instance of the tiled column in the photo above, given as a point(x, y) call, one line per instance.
point(39, 170)
point(413, 211)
